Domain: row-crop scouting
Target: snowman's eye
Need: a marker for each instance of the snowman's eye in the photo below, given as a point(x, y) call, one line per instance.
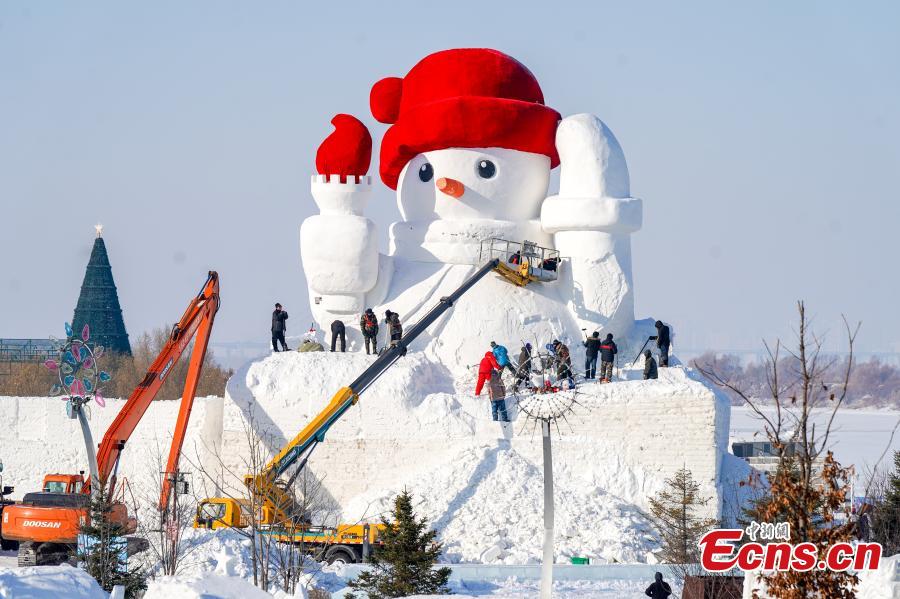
point(426, 172)
point(486, 169)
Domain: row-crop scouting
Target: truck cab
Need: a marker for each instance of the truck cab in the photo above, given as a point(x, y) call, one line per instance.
point(63, 483)
point(222, 512)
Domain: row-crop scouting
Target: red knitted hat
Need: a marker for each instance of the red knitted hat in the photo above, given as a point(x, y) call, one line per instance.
point(465, 98)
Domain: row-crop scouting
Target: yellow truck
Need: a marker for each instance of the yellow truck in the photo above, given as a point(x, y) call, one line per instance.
point(345, 543)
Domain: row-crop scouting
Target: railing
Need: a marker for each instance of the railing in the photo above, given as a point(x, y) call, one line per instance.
point(26, 350)
point(543, 263)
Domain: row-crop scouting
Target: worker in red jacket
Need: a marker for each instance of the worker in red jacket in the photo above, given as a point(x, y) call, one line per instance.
point(488, 364)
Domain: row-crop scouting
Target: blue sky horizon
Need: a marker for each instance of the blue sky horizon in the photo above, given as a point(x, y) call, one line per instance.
point(764, 141)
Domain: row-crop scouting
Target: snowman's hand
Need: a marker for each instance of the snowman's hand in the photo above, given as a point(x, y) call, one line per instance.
point(591, 160)
point(347, 151)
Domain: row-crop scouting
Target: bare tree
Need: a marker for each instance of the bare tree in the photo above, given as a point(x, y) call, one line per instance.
point(809, 488)
point(164, 529)
point(277, 556)
point(220, 480)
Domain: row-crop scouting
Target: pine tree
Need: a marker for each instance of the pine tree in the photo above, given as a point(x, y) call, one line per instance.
point(102, 549)
point(674, 514)
point(885, 517)
point(404, 564)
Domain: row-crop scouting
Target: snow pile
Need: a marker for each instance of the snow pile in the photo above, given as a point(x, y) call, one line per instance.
point(203, 587)
point(480, 484)
point(219, 564)
point(883, 583)
point(48, 582)
point(488, 504)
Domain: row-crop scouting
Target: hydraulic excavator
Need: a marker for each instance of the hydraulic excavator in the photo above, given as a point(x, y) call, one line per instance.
point(47, 523)
point(274, 502)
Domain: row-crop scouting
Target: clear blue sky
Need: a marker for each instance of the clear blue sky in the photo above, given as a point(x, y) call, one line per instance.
point(764, 138)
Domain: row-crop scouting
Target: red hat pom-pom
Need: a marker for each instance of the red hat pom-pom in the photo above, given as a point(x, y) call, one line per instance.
point(347, 151)
point(385, 99)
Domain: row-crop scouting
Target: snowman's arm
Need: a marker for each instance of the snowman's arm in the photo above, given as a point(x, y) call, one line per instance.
point(594, 192)
point(592, 219)
point(339, 246)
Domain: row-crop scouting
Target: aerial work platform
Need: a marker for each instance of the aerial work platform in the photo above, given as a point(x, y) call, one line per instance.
point(523, 262)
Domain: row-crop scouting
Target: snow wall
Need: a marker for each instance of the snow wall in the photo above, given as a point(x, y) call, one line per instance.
point(420, 427)
point(479, 483)
point(38, 438)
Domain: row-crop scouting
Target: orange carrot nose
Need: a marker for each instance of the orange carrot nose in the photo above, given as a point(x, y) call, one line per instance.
point(451, 187)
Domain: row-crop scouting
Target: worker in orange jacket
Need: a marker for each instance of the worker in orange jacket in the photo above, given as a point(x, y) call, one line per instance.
point(488, 364)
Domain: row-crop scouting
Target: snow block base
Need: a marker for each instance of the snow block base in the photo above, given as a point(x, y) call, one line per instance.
point(479, 483)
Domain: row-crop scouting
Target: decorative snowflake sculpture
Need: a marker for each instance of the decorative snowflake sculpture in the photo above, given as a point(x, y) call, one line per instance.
point(80, 377)
point(544, 394)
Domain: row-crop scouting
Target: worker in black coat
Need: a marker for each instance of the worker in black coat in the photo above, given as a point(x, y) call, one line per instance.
point(650, 371)
point(663, 340)
point(608, 351)
point(659, 589)
point(523, 370)
point(395, 329)
point(338, 330)
point(592, 348)
point(279, 327)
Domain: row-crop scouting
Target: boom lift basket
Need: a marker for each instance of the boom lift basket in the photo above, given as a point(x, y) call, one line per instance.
point(523, 262)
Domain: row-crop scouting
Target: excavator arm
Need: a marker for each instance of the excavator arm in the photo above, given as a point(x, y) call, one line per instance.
point(196, 320)
point(314, 432)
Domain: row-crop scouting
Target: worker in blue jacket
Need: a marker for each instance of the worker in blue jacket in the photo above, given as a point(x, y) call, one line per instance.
point(502, 356)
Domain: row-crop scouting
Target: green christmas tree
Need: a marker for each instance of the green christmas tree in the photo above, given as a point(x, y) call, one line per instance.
point(885, 519)
point(404, 565)
point(674, 513)
point(102, 548)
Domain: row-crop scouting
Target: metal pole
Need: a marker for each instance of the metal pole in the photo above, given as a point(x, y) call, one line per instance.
point(89, 447)
point(547, 565)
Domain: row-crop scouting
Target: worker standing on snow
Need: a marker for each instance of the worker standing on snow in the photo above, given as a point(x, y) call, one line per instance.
point(663, 340)
point(659, 589)
point(485, 368)
point(608, 351)
point(368, 324)
point(395, 329)
point(650, 371)
point(497, 393)
point(502, 355)
point(523, 372)
point(592, 347)
point(563, 362)
point(279, 328)
point(338, 330)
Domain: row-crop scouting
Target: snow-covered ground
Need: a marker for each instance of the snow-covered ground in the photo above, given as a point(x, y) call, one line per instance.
point(859, 437)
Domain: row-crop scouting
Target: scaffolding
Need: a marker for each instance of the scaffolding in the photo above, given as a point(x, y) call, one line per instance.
point(521, 262)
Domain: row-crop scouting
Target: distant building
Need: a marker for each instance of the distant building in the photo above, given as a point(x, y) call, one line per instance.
point(763, 456)
point(98, 303)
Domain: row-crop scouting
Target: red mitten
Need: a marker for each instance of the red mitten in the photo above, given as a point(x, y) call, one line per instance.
point(347, 151)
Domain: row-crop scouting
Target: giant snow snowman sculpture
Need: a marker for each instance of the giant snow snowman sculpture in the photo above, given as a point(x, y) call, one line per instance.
point(469, 152)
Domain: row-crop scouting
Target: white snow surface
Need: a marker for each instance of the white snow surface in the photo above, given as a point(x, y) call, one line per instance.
point(48, 582)
point(39, 439)
point(859, 437)
point(479, 484)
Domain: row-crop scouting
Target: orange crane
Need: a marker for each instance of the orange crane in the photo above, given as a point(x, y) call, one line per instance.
point(46, 523)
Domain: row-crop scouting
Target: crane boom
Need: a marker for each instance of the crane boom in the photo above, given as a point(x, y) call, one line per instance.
point(197, 318)
point(314, 432)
